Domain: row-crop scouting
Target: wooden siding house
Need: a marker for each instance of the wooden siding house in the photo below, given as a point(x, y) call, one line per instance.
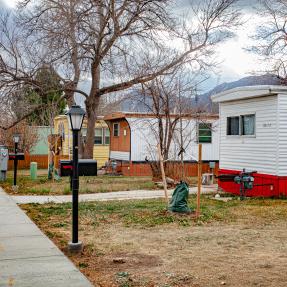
point(134, 141)
point(253, 136)
point(101, 142)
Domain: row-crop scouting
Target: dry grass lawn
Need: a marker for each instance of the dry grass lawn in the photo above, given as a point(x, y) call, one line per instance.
point(93, 184)
point(139, 243)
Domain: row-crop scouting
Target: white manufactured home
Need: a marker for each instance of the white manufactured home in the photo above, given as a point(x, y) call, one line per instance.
point(253, 136)
point(134, 138)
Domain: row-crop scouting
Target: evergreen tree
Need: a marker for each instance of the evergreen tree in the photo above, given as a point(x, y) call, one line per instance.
point(49, 94)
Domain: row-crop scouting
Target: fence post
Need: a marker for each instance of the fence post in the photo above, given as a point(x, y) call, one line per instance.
point(199, 172)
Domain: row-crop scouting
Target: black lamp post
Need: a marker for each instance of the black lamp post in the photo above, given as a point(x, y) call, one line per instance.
point(16, 139)
point(76, 116)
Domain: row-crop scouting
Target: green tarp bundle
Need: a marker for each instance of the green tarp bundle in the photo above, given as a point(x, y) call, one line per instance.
point(179, 199)
point(52, 170)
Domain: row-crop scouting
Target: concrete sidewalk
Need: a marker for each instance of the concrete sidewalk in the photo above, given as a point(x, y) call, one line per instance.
point(27, 257)
point(119, 195)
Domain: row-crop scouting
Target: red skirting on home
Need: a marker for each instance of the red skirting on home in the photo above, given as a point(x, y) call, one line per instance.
point(143, 169)
point(265, 185)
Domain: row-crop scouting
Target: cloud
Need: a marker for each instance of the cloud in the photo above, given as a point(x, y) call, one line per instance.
point(8, 3)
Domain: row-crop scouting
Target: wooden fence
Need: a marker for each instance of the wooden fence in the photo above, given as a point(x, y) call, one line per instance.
point(42, 161)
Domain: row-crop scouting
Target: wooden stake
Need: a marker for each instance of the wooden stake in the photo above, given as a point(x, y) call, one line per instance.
point(54, 158)
point(162, 173)
point(199, 165)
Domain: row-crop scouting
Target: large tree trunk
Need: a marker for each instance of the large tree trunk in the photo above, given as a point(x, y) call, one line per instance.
point(92, 105)
point(89, 146)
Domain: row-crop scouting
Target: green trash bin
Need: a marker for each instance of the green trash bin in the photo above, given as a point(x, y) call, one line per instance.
point(33, 170)
point(179, 199)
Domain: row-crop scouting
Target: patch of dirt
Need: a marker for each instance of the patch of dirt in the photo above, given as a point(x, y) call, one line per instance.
point(133, 260)
point(238, 255)
point(247, 248)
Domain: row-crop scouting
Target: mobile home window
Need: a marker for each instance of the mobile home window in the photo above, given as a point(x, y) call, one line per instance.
point(116, 129)
point(98, 136)
point(233, 126)
point(107, 136)
point(204, 132)
point(248, 125)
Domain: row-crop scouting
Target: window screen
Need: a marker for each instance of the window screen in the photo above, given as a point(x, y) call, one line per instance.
point(98, 136)
point(204, 132)
point(107, 136)
point(248, 124)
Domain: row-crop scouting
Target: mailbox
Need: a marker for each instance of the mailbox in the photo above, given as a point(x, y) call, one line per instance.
point(246, 180)
point(3, 162)
point(87, 167)
point(65, 167)
point(20, 156)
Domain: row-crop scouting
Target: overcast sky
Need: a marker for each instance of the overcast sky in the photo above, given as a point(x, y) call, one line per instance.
point(236, 62)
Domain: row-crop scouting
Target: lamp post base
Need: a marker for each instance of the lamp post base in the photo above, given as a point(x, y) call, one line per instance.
point(75, 247)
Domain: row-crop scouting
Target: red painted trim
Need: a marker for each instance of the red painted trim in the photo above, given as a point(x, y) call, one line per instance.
point(67, 167)
point(267, 185)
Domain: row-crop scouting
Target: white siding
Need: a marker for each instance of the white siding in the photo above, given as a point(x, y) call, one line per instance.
point(253, 153)
point(282, 135)
point(120, 155)
point(210, 151)
point(144, 141)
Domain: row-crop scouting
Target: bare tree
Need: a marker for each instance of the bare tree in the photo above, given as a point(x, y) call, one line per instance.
point(28, 139)
point(20, 64)
point(167, 101)
point(116, 44)
point(271, 36)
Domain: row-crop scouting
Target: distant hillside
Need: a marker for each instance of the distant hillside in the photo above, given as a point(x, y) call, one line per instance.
point(204, 102)
point(141, 103)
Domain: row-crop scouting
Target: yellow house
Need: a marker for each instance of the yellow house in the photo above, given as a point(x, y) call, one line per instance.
point(101, 141)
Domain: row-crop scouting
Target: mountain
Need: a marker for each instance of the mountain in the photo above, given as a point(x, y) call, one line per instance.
point(204, 101)
point(137, 102)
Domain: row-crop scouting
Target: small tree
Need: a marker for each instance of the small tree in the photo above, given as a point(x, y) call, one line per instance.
point(28, 139)
point(169, 104)
point(271, 37)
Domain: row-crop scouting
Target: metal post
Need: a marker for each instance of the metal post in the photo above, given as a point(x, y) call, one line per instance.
point(75, 186)
point(15, 164)
point(75, 245)
point(242, 189)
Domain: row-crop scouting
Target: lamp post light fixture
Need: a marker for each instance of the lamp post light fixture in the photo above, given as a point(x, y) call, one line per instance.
point(16, 139)
point(76, 117)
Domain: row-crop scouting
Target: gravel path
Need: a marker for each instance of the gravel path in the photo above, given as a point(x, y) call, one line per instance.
point(119, 195)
